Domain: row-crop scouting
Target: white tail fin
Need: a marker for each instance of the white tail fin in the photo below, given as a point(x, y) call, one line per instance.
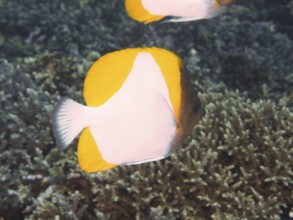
point(68, 121)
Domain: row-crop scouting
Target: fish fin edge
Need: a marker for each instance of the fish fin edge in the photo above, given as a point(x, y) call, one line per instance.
point(67, 121)
point(90, 158)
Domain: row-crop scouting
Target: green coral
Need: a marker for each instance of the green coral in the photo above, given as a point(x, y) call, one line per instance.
point(236, 164)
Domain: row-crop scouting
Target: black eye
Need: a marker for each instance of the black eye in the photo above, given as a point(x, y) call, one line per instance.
point(196, 104)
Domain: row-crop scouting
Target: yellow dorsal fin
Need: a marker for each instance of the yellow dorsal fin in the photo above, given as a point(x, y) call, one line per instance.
point(136, 10)
point(89, 157)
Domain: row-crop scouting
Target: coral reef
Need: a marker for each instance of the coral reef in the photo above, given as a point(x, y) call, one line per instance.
point(237, 164)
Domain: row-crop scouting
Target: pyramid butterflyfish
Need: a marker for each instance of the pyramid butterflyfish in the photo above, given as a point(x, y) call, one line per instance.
point(148, 11)
point(140, 105)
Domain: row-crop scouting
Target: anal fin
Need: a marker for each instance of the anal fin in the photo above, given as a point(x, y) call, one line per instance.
point(89, 156)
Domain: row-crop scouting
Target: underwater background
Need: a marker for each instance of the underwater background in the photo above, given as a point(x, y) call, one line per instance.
point(238, 162)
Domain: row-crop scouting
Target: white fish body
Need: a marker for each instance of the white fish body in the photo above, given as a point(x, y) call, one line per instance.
point(179, 10)
point(138, 123)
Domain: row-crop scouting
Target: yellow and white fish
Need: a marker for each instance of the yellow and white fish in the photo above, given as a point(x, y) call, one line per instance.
point(148, 11)
point(140, 107)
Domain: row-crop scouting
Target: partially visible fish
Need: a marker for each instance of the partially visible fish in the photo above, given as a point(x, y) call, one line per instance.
point(140, 107)
point(148, 11)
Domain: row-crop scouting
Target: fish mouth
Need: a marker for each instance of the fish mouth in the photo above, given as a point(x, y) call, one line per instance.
point(199, 114)
point(194, 120)
point(202, 112)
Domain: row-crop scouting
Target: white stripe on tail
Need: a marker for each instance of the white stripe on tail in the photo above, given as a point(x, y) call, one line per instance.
point(68, 121)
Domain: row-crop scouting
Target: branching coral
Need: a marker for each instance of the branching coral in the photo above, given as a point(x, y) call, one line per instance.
point(236, 164)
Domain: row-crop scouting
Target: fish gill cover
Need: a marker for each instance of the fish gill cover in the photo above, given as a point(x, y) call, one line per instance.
point(237, 164)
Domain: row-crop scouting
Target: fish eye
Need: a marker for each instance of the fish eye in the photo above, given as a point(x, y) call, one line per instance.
point(196, 104)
